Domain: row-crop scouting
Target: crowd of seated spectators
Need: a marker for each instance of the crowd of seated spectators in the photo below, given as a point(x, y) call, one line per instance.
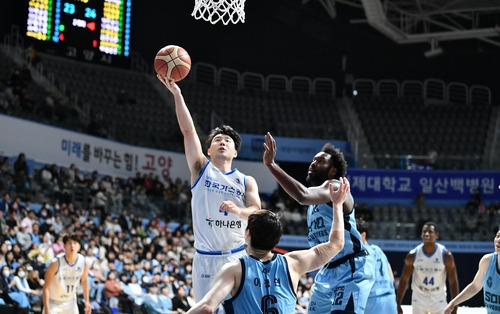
point(135, 232)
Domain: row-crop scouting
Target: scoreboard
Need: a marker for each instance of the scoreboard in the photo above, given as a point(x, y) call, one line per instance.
point(90, 30)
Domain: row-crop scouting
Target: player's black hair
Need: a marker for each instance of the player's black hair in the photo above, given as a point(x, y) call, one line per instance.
point(431, 224)
point(362, 226)
point(226, 130)
point(265, 229)
point(337, 158)
point(73, 237)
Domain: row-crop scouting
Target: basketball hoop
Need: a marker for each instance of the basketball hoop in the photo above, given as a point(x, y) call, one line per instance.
point(213, 11)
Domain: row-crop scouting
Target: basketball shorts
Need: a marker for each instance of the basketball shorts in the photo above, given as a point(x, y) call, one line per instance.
point(205, 267)
point(342, 289)
point(382, 304)
point(65, 307)
point(423, 303)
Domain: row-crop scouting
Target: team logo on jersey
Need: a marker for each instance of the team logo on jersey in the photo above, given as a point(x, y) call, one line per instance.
point(210, 222)
point(238, 181)
point(489, 282)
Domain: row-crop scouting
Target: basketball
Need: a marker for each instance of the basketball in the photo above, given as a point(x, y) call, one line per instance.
point(172, 62)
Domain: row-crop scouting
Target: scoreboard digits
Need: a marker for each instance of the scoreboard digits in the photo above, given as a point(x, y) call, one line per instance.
point(95, 30)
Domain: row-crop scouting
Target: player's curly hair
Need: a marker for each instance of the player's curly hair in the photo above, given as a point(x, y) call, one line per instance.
point(266, 229)
point(226, 130)
point(337, 158)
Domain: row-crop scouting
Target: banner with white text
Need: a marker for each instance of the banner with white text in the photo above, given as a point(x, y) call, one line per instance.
point(46, 144)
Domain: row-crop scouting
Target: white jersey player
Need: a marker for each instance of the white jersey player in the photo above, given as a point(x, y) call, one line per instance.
point(429, 264)
point(223, 198)
point(63, 276)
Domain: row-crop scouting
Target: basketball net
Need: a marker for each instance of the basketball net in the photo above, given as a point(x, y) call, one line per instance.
point(213, 11)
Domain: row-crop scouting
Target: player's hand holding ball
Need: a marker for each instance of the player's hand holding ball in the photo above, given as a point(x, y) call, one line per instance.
point(172, 63)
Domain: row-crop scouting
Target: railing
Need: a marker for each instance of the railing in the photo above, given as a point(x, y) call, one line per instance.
point(430, 90)
point(207, 73)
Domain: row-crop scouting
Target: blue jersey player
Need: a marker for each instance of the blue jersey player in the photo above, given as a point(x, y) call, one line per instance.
point(344, 283)
point(487, 278)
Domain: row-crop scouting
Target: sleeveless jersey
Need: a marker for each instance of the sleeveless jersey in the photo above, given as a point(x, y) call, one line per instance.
point(67, 278)
point(213, 229)
point(383, 280)
point(491, 286)
point(429, 271)
point(266, 287)
point(319, 221)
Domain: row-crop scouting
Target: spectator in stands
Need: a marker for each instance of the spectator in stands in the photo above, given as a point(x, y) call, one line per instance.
point(5, 203)
point(6, 177)
point(66, 214)
point(19, 254)
point(4, 228)
point(42, 253)
point(431, 160)
point(35, 233)
point(12, 219)
point(21, 174)
point(32, 54)
point(34, 280)
point(34, 294)
point(58, 245)
point(29, 220)
point(6, 281)
point(166, 299)
point(420, 199)
point(46, 179)
point(136, 291)
point(11, 236)
point(19, 289)
point(475, 203)
point(302, 301)
point(113, 289)
point(3, 251)
point(124, 221)
point(57, 223)
point(180, 302)
point(44, 213)
point(23, 237)
point(153, 302)
point(190, 297)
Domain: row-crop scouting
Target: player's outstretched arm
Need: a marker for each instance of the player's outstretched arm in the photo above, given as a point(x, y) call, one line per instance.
point(302, 194)
point(293, 187)
point(451, 274)
point(226, 282)
point(307, 260)
point(473, 288)
point(192, 145)
point(404, 279)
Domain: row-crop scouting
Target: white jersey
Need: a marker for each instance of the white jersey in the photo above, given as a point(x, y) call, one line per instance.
point(67, 279)
point(215, 230)
point(429, 271)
